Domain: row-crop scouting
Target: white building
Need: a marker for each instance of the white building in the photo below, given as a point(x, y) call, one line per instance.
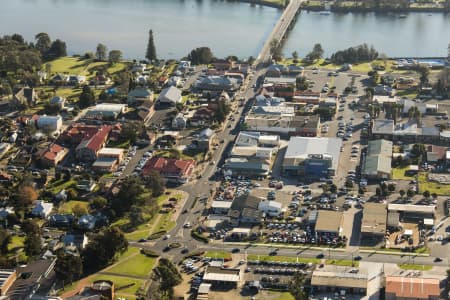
point(270, 208)
point(49, 123)
point(170, 95)
point(42, 209)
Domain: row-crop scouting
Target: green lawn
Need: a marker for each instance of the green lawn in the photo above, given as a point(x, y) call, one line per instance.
point(431, 186)
point(16, 243)
point(57, 186)
point(68, 206)
point(282, 258)
point(79, 66)
point(165, 222)
point(399, 174)
point(412, 94)
point(119, 282)
point(139, 265)
point(415, 267)
point(218, 254)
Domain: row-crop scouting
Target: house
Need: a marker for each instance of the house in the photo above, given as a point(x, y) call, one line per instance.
point(88, 148)
point(377, 162)
point(24, 96)
point(101, 80)
point(412, 288)
point(204, 116)
point(106, 111)
point(75, 239)
point(138, 68)
point(59, 79)
point(170, 95)
point(173, 170)
point(329, 224)
point(49, 123)
point(76, 79)
point(42, 209)
point(179, 122)
point(312, 156)
point(374, 222)
point(52, 155)
point(363, 282)
point(270, 208)
point(174, 81)
point(59, 101)
point(61, 220)
point(218, 83)
point(34, 280)
point(205, 139)
point(223, 64)
point(139, 94)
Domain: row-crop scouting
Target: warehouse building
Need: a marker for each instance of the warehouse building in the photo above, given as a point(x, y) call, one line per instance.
point(312, 156)
point(328, 224)
point(377, 163)
point(373, 227)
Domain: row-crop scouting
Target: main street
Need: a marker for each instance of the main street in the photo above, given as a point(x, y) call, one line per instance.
point(202, 186)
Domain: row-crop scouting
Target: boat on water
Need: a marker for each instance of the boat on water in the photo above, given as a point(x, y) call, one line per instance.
point(325, 13)
point(402, 16)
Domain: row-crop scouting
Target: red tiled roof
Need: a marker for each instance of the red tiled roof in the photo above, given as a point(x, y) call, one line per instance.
point(412, 287)
point(51, 153)
point(168, 165)
point(96, 142)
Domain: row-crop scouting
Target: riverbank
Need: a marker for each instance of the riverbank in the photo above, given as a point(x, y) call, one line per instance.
point(365, 7)
point(280, 4)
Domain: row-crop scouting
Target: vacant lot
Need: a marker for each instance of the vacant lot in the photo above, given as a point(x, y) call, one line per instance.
point(431, 186)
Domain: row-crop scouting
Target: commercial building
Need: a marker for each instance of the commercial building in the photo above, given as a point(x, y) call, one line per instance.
point(312, 157)
point(329, 223)
point(412, 288)
point(173, 170)
point(374, 221)
point(106, 111)
point(377, 162)
point(52, 155)
point(116, 153)
point(412, 212)
point(219, 276)
point(105, 165)
point(270, 208)
point(49, 123)
point(285, 124)
point(363, 282)
point(89, 147)
point(7, 278)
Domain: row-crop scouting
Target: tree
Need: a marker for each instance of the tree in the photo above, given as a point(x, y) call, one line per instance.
point(79, 210)
point(156, 183)
point(25, 196)
point(295, 56)
point(87, 97)
point(98, 202)
point(48, 69)
point(57, 49)
point(316, 53)
point(150, 54)
point(114, 56)
point(202, 55)
point(168, 276)
point(136, 216)
point(103, 247)
point(18, 38)
point(301, 83)
point(424, 73)
point(101, 51)
point(410, 193)
point(333, 188)
point(402, 193)
point(130, 189)
point(426, 194)
point(222, 110)
point(129, 132)
point(5, 240)
point(297, 287)
point(250, 60)
point(43, 42)
point(434, 195)
point(378, 192)
point(32, 244)
point(30, 226)
point(391, 187)
point(68, 267)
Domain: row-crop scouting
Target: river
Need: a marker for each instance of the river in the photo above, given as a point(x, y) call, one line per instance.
point(228, 28)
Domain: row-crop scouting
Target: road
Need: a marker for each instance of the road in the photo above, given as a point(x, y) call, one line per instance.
point(279, 30)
